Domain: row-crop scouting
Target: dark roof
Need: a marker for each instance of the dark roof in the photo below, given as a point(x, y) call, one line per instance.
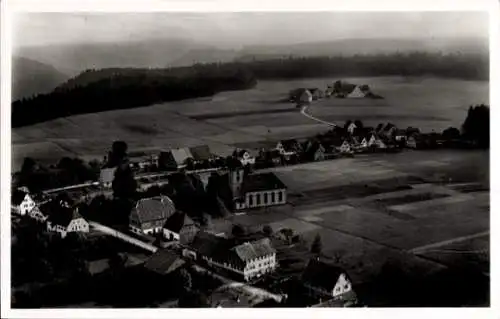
point(152, 209)
point(208, 244)
point(321, 274)
point(17, 197)
point(290, 145)
point(177, 221)
point(164, 261)
point(242, 152)
point(261, 182)
point(201, 152)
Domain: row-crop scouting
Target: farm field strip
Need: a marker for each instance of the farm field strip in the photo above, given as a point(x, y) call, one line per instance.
point(421, 249)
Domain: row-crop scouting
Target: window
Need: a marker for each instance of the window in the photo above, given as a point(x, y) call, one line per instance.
point(265, 198)
point(258, 199)
point(346, 287)
point(250, 200)
point(273, 197)
point(280, 196)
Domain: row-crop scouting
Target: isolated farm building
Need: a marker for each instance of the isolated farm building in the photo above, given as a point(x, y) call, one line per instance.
point(21, 202)
point(150, 214)
point(174, 159)
point(324, 280)
point(356, 93)
point(63, 219)
point(316, 93)
point(164, 261)
point(244, 157)
point(201, 153)
point(256, 190)
point(247, 261)
point(106, 177)
point(179, 227)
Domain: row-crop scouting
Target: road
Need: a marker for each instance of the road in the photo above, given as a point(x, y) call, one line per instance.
point(303, 112)
point(421, 249)
point(231, 284)
point(228, 283)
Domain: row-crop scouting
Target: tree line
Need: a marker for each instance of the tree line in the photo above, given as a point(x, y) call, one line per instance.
point(121, 88)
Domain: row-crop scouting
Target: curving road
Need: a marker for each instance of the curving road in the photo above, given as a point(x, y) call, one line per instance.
point(303, 112)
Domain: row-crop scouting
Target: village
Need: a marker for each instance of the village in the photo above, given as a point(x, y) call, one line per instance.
point(165, 205)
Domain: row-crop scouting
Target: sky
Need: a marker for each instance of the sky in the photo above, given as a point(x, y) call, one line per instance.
point(234, 30)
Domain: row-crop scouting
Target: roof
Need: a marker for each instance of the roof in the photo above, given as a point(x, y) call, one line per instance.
point(179, 155)
point(58, 213)
point(208, 244)
point(201, 152)
point(177, 221)
point(107, 175)
point(164, 261)
point(17, 197)
point(154, 208)
point(252, 250)
point(261, 182)
point(321, 274)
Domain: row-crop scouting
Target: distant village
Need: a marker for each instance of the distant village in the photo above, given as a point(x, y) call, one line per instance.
point(339, 89)
point(164, 203)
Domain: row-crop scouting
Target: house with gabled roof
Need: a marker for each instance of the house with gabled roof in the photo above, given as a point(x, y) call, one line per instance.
point(164, 261)
point(315, 151)
point(21, 202)
point(38, 215)
point(106, 176)
point(244, 157)
point(324, 280)
point(356, 93)
point(247, 260)
point(63, 219)
point(345, 147)
point(150, 214)
point(174, 159)
point(316, 93)
point(364, 143)
point(179, 227)
point(201, 153)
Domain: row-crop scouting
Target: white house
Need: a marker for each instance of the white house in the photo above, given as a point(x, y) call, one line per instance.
point(356, 93)
point(351, 128)
point(345, 147)
point(411, 142)
point(150, 214)
point(248, 260)
point(305, 97)
point(373, 141)
point(63, 219)
point(21, 202)
point(245, 158)
point(325, 280)
point(364, 143)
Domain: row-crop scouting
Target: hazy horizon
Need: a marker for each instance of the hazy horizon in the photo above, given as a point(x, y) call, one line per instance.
point(235, 30)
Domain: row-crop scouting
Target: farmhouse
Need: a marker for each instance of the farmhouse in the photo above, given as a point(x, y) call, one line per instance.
point(289, 147)
point(256, 190)
point(326, 281)
point(179, 227)
point(356, 93)
point(164, 261)
point(345, 147)
point(37, 215)
point(316, 93)
point(63, 219)
point(174, 159)
point(201, 153)
point(351, 128)
point(21, 202)
point(106, 177)
point(315, 151)
point(244, 157)
point(150, 214)
point(247, 260)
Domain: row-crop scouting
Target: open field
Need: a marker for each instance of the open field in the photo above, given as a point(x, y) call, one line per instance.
point(368, 219)
point(258, 114)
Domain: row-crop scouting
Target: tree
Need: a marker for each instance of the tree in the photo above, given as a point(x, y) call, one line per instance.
point(185, 279)
point(124, 185)
point(358, 124)
point(476, 126)
point(316, 246)
point(238, 231)
point(451, 133)
point(29, 166)
point(267, 230)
